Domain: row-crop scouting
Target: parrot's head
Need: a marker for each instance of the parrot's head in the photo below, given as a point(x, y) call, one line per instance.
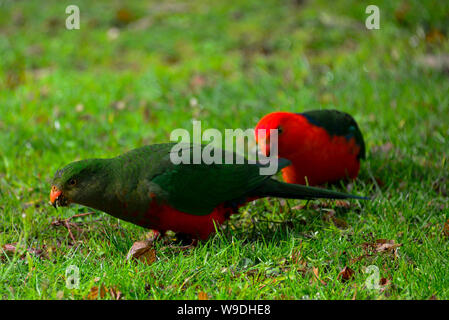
point(79, 182)
point(285, 124)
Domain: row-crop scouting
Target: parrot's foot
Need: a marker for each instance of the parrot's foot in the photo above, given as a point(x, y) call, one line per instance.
point(154, 235)
point(186, 241)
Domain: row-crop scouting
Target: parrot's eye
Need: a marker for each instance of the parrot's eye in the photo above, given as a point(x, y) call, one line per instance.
point(279, 128)
point(72, 182)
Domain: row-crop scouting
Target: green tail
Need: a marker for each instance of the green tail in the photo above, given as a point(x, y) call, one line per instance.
point(274, 188)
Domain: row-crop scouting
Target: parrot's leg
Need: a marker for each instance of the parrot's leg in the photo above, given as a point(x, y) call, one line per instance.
point(155, 235)
point(186, 240)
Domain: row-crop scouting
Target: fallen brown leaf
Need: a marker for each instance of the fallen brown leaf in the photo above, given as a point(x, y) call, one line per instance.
point(379, 246)
point(101, 292)
point(401, 12)
point(384, 281)
point(11, 248)
point(346, 274)
point(202, 296)
point(93, 294)
point(354, 296)
point(354, 260)
point(343, 204)
point(446, 228)
point(298, 262)
point(124, 16)
point(435, 35)
point(115, 294)
point(383, 245)
point(317, 277)
point(339, 223)
point(142, 251)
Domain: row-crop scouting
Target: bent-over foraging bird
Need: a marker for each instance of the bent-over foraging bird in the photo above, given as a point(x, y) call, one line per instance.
point(324, 146)
point(145, 187)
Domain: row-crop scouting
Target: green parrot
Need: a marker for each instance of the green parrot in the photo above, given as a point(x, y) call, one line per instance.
point(144, 186)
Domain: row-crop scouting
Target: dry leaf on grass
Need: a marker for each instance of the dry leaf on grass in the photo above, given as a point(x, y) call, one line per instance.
point(115, 294)
point(94, 293)
point(343, 204)
point(346, 274)
point(339, 223)
point(384, 284)
point(382, 245)
point(379, 246)
point(11, 248)
point(298, 262)
point(317, 277)
point(434, 36)
point(124, 16)
point(384, 281)
point(202, 296)
point(354, 296)
point(446, 228)
point(142, 251)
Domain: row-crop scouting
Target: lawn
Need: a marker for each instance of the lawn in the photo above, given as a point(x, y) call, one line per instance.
point(137, 70)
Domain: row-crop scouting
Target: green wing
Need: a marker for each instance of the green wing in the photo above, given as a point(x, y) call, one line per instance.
point(337, 123)
point(199, 188)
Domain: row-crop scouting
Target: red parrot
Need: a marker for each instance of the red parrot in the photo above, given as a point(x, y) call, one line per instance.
point(324, 146)
point(145, 187)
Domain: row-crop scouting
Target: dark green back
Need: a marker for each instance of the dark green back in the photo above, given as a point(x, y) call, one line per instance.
point(337, 123)
point(191, 188)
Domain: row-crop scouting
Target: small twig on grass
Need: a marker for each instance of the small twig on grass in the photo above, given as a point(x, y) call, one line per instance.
point(184, 248)
point(66, 223)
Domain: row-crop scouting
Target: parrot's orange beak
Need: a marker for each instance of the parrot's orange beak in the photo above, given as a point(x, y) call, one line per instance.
point(55, 193)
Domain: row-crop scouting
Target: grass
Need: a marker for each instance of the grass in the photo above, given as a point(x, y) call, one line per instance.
point(136, 71)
